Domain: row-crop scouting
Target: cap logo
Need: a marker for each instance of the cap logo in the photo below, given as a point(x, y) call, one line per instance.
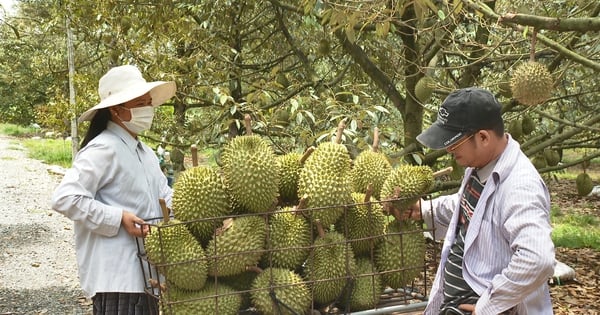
point(443, 115)
point(458, 135)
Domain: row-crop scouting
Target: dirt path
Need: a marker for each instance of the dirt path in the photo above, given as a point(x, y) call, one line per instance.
point(38, 271)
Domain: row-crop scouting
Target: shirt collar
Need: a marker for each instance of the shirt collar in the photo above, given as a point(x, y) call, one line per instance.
point(130, 141)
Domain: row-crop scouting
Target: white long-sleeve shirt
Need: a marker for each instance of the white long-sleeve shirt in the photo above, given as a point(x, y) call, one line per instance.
point(508, 252)
point(114, 172)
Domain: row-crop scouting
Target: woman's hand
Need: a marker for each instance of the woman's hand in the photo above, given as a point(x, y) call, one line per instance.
point(133, 225)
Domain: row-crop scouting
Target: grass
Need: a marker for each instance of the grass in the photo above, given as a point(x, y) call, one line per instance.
point(51, 151)
point(575, 230)
point(16, 131)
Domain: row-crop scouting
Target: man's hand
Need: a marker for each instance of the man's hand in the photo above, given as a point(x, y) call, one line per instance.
point(134, 225)
point(468, 308)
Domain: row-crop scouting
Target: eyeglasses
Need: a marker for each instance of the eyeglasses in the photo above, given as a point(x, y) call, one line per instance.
point(459, 143)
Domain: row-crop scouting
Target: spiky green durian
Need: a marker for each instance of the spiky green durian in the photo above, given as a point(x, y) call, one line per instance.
point(539, 161)
point(239, 243)
point(198, 194)
point(329, 267)
point(363, 224)
point(366, 287)
point(515, 128)
point(251, 173)
point(424, 88)
point(413, 181)
point(401, 254)
point(177, 255)
point(289, 173)
point(584, 184)
point(370, 168)
point(212, 299)
point(279, 291)
point(241, 283)
point(552, 157)
point(531, 83)
point(325, 179)
point(289, 240)
point(527, 125)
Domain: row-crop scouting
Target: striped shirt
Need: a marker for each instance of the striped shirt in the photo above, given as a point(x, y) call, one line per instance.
point(508, 253)
point(456, 290)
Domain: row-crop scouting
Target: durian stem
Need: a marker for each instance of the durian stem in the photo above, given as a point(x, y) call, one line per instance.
point(302, 202)
point(256, 269)
point(375, 146)
point(194, 150)
point(533, 43)
point(165, 210)
point(443, 171)
point(396, 213)
point(301, 205)
point(368, 192)
point(340, 132)
point(306, 154)
point(248, 124)
point(320, 229)
point(155, 284)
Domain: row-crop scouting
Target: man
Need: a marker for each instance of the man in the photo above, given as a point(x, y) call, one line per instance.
point(115, 182)
point(497, 254)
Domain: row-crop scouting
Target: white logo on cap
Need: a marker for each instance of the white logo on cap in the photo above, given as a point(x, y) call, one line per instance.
point(443, 115)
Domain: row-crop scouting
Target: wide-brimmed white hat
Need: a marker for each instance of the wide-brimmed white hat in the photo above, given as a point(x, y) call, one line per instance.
point(124, 83)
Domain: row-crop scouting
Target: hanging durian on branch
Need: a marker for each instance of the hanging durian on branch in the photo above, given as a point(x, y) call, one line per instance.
point(531, 82)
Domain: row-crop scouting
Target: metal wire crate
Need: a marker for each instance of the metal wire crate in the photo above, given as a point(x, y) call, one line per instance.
point(412, 297)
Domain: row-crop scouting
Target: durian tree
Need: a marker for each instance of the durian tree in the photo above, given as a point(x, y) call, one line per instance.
point(299, 67)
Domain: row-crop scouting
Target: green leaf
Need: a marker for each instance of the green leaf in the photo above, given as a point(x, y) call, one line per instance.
point(381, 109)
point(441, 15)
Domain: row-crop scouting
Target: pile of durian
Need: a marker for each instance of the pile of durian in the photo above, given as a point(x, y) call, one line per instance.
point(284, 234)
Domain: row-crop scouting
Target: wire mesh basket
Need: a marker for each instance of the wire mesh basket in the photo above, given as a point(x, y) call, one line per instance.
point(293, 290)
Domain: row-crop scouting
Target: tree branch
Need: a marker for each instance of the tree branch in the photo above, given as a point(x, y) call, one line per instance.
point(582, 25)
point(478, 6)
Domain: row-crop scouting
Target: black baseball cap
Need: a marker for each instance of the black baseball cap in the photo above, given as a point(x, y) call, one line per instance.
point(463, 112)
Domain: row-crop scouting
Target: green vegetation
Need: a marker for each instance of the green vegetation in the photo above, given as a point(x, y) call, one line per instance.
point(16, 131)
point(51, 151)
point(575, 230)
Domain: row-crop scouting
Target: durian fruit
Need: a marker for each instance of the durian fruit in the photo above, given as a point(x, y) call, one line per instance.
point(407, 183)
point(289, 240)
point(401, 254)
point(531, 83)
point(176, 253)
point(370, 167)
point(290, 165)
point(279, 291)
point(515, 128)
point(238, 243)
point(424, 88)
point(584, 184)
point(241, 283)
point(552, 157)
point(212, 299)
point(539, 161)
point(325, 178)
point(527, 125)
point(363, 224)
point(251, 171)
point(366, 287)
point(198, 194)
point(329, 266)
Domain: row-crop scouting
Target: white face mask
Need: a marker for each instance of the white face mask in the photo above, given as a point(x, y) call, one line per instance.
point(141, 119)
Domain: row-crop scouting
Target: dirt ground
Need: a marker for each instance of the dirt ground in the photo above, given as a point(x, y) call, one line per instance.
point(580, 296)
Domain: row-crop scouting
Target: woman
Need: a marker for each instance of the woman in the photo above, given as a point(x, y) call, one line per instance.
point(114, 184)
